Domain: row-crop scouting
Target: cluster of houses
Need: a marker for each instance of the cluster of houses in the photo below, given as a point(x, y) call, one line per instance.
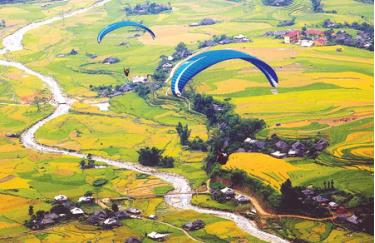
point(205, 21)
point(62, 209)
point(307, 38)
point(324, 200)
point(108, 219)
point(230, 194)
point(283, 149)
point(111, 91)
point(72, 52)
point(147, 8)
point(224, 40)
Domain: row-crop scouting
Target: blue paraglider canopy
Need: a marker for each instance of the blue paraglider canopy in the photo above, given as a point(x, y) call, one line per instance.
point(196, 64)
point(122, 24)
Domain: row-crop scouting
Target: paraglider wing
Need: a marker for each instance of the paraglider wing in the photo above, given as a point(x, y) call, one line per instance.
point(200, 62)
point(119, 25)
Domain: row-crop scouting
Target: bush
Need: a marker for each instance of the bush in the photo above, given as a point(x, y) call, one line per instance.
point(153, 157)
point(99, 182)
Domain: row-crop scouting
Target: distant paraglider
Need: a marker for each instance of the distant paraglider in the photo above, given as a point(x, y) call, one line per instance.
point(126, 72)
point(196, 64)
point(119, 25)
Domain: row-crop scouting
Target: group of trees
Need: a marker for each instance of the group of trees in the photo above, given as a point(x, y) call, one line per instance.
point(184, 133)
point(328, 185)
point(317, 6)
point(153, 157)
point(87, 163)
point(148, 8)
point(208, 106)
point(277, 3)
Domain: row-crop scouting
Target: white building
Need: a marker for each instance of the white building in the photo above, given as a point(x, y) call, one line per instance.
point(278, 154)
point(227, 191)
point(139, 79)
point(242, 198)
point(156, 236)
point(307, 43)
point(292, 152)
point(250, 141)
point(85, 199)
point(61, 198)
point(76, 211)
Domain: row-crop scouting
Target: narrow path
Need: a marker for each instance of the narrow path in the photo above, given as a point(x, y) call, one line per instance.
point(181, 199)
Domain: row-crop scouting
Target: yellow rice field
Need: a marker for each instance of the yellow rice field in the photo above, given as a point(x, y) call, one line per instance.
point(268, 169)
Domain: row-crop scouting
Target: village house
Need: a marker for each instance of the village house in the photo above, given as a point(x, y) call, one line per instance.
point(61, 198)
point(308, 192)
point(250, 141)
point(156, 236)
point(260, 144)
point(76, 211)
point(278, 154)
point(297, 149)
point(321, 144)
point(353, 219)
point(133, 211)
point(314, 34)
point(241, 38)
point(333, 205)
point(167, 66)
point(307, 43)
point(242, 199)
point(282, 146)
point(49, 219)
point(139, 79)
point(84, 199)
point(110, 223)
point(321, 41)
point(292, 37)
point(320, 199)
point(228, 192)
point(111, 60)
point(96, 217)
point(195, 24)
point(121, 215)
point(195, 225)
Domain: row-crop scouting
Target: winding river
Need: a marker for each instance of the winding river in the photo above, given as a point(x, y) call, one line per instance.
point(180, 197)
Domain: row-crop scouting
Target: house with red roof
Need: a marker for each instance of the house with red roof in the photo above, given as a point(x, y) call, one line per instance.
point(292, 37)
point(321, 41)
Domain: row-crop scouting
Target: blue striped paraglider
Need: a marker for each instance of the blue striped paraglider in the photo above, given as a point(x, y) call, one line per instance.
point(196, 64)
point(122, 24)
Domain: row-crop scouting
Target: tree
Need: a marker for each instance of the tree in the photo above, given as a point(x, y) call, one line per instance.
point(36, 101)
point(289, 197)
point(149, 156)
point(332, 185)
point(88, 194)
point(184, 133)
point(115, 207)
point(238, 177)
point(82, 164)
point(167, 162)
point(91, 163)
point(325, 184)
point(31, 210)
